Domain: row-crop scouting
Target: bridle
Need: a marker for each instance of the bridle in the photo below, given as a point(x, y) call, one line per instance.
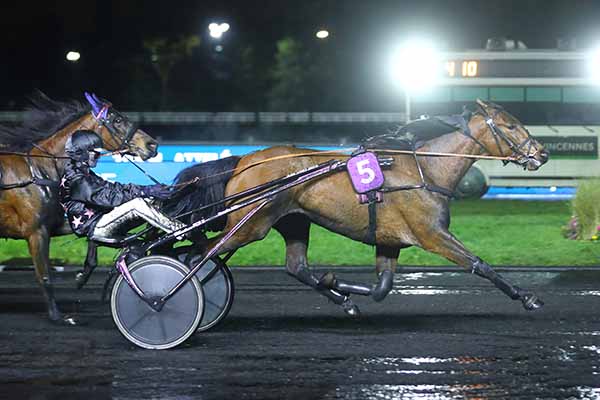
point(107, 117)
point(518, 155)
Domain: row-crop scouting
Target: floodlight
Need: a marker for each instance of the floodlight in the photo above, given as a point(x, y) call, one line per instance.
point(594, 66)
point(217, 30)
point(416, 65)
point(322, 34)
point(73, 56)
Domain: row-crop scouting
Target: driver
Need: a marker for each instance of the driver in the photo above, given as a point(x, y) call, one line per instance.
point(97, 208)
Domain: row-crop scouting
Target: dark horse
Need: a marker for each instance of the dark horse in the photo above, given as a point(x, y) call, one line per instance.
point(29, 206)
point(414, 210)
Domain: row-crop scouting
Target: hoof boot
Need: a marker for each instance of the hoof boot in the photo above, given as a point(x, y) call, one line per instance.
point(327, 281)
point(81, 278)
point(351, 309)
point(531, 302)
point(67, 320)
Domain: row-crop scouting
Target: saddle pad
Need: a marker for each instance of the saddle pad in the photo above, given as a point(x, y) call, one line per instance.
point(365, 172)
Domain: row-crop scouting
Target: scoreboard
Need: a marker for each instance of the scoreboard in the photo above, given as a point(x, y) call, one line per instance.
point(523, 67)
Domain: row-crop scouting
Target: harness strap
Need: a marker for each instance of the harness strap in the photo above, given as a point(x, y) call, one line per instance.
point(373, 199)
point(426, 186)
point(7, 186)
point(45, 182)
point(35, 181)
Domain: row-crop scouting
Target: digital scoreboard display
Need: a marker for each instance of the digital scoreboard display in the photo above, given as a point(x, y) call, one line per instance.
point(477, 68)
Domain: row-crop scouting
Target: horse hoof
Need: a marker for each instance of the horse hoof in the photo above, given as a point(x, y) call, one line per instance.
point(67, 320)
point(532, 302)
point(327, 281)
point(351, 309)
point(81, 278)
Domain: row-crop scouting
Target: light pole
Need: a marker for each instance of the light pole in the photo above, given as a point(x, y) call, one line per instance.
point(415, 67)
point(220, 64)
point(407, 110)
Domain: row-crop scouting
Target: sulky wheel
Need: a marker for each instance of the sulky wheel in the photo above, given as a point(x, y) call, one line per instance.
point(175, 322)
point(218, 288)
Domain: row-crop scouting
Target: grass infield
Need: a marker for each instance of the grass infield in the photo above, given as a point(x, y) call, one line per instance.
point(501, 232)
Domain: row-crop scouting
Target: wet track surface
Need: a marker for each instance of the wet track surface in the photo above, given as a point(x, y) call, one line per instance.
point(437, 336)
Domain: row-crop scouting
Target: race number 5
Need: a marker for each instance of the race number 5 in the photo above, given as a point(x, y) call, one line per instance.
point(362, 169)
point(365, 172)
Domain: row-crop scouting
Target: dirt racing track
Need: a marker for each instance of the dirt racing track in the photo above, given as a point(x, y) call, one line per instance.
point(439, 335)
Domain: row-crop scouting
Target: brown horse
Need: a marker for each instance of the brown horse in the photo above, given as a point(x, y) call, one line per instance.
point(29, 206)
point(418, 216)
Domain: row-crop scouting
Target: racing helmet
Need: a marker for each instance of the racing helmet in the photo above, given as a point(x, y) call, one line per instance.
point(84, 146)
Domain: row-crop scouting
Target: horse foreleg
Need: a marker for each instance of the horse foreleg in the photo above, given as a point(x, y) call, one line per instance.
point(386, 260)
point(448, 246)
point(39, 243)
point(90, 264)
point(295, 231)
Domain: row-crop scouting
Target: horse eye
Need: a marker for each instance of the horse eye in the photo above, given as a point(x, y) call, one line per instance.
point(119, 120)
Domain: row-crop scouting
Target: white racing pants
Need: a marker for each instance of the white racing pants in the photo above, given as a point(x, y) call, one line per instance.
point(110, 222)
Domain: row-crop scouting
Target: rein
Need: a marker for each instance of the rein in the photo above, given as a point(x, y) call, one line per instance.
point(21, 154)
point(343, 152)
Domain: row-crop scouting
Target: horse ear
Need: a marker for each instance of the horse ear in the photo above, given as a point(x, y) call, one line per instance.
point(481, 103)
point(97, 99)
point(95, 106)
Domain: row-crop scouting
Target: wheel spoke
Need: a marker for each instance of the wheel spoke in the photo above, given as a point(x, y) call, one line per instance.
point(163, 330)
point(210, 274)
point(212, 303)
point(174, 310)
point(140, 319)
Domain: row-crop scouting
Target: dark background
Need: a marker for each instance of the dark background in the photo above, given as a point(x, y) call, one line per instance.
point(341, 73)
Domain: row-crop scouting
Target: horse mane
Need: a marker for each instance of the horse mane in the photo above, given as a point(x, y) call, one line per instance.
point(42, 119)
point(416, 133)
point(212, 178)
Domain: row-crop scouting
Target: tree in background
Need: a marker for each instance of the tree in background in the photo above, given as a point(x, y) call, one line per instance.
point(301, 78)
point(165, 54)
point(250, 80)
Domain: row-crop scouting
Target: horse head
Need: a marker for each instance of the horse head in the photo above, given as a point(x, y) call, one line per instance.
point(501, 134)
point(118, 132)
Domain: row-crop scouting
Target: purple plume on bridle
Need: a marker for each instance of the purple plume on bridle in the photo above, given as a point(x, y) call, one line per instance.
point(96, 103)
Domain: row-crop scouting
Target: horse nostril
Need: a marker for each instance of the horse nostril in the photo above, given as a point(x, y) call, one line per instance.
point(544, 156)
point(152, 145)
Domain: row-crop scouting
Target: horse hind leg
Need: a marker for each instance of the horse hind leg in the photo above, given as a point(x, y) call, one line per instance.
point(39, 243)
point(295, 231)
point(386, 259)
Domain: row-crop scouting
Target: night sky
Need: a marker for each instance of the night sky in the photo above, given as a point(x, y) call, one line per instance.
point(36, 36)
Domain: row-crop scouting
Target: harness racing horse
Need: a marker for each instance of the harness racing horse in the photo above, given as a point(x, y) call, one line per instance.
point(414, 210)
point(32, 159)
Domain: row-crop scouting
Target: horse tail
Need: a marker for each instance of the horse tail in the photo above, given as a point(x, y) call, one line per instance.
point(212, 178)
